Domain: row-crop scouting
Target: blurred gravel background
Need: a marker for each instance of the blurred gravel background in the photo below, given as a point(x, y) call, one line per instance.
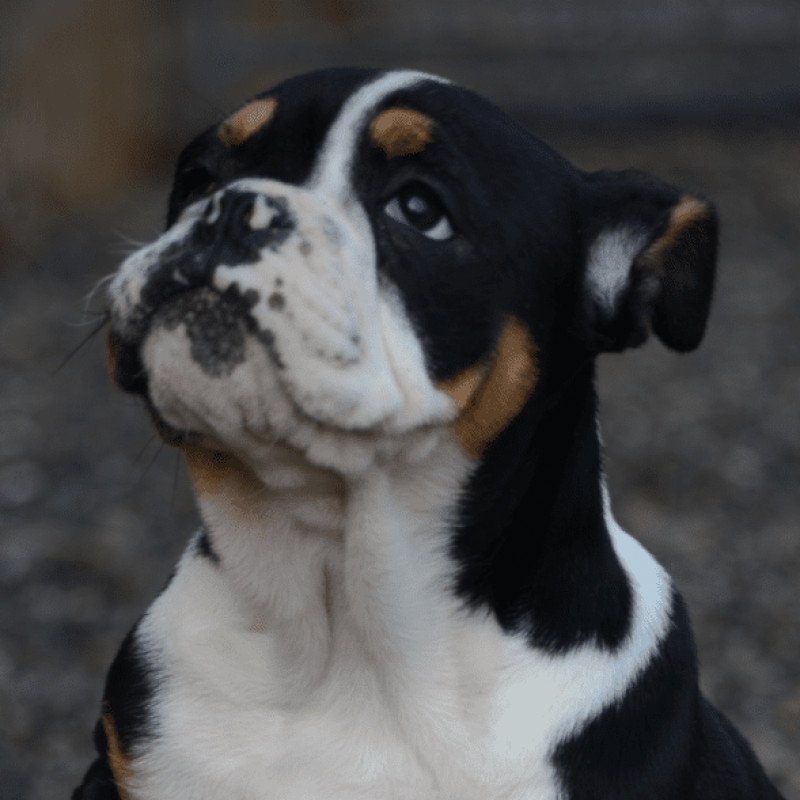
point(703, 450)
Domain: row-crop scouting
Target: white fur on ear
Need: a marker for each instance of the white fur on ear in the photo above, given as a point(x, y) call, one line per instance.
point(609, 264)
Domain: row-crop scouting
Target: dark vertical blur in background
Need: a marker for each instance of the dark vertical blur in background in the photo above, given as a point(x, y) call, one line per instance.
point(703, 450)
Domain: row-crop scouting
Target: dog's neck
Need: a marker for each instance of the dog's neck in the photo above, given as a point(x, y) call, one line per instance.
point(333, 565)
point(393, 555)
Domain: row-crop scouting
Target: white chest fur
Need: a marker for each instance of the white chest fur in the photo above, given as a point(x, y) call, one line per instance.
point(320, 664)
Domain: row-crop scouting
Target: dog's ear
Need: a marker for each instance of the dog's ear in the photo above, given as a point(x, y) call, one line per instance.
point(650, 255)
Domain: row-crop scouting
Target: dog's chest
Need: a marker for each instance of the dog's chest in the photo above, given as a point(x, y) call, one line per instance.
point(475, 714)
point(364, 678)
point(239, 713)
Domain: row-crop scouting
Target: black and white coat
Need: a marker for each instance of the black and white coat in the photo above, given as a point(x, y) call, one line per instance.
point(371, 327)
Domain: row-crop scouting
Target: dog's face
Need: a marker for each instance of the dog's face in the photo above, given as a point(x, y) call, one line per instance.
point(356, 259)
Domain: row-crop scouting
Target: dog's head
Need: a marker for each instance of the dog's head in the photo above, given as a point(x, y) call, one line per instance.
point(355, 258)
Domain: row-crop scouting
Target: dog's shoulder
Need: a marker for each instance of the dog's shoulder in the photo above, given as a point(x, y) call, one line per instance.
point(99, 783)
point(665, 737)
point(731, 769)
point(123, 722)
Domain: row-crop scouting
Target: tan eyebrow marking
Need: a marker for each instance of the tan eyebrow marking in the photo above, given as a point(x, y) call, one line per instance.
point(249, 119)
point(401, 131)
point(462, 387)
point(488, 404)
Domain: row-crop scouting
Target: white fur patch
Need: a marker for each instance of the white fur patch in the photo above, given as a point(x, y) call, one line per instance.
point(609, 263)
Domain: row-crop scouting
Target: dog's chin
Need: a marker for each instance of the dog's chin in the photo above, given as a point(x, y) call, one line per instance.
point(214, 382)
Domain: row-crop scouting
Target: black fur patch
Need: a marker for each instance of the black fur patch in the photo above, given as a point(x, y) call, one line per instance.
point(532, 543)
point(127, 697)
point(129, 690)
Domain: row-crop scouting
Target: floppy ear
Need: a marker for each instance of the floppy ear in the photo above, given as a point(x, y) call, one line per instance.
point(650, 256)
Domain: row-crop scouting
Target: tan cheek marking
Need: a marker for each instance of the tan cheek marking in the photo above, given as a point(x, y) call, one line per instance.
point(463, 386)
point(224, 478)
point(510, 380)
point(688, 211)
point(242, 124)
point(401, 131)
point(116, 759)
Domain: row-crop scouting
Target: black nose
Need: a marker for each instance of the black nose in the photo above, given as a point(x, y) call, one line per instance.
point(230, 215)
point(236, 227)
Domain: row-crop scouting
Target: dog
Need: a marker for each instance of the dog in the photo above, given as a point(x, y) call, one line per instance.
point(371, 328)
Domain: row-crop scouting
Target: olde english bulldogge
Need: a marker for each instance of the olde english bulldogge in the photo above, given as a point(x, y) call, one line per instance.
point(371, 328)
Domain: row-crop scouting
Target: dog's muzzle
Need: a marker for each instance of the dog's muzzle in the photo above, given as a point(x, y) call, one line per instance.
point(261, 295)
point(233, 228)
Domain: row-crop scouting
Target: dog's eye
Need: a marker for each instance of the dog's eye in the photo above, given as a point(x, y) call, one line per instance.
point(417, 205)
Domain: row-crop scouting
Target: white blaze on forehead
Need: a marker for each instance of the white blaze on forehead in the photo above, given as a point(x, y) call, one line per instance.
point(332, 170)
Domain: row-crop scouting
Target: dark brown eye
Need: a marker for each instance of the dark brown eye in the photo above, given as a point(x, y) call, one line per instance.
point(418, 206)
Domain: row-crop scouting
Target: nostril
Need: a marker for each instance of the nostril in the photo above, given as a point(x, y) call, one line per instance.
point(211, 210)
point(237, 213)
point(234, 228)
point(241, 212)
point(228, 214)
point(225, 220)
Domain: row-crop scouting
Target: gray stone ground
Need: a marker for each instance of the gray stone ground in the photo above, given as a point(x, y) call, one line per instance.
point(703, 457)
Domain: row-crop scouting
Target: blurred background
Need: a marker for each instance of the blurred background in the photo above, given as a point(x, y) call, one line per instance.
point(97, 99)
